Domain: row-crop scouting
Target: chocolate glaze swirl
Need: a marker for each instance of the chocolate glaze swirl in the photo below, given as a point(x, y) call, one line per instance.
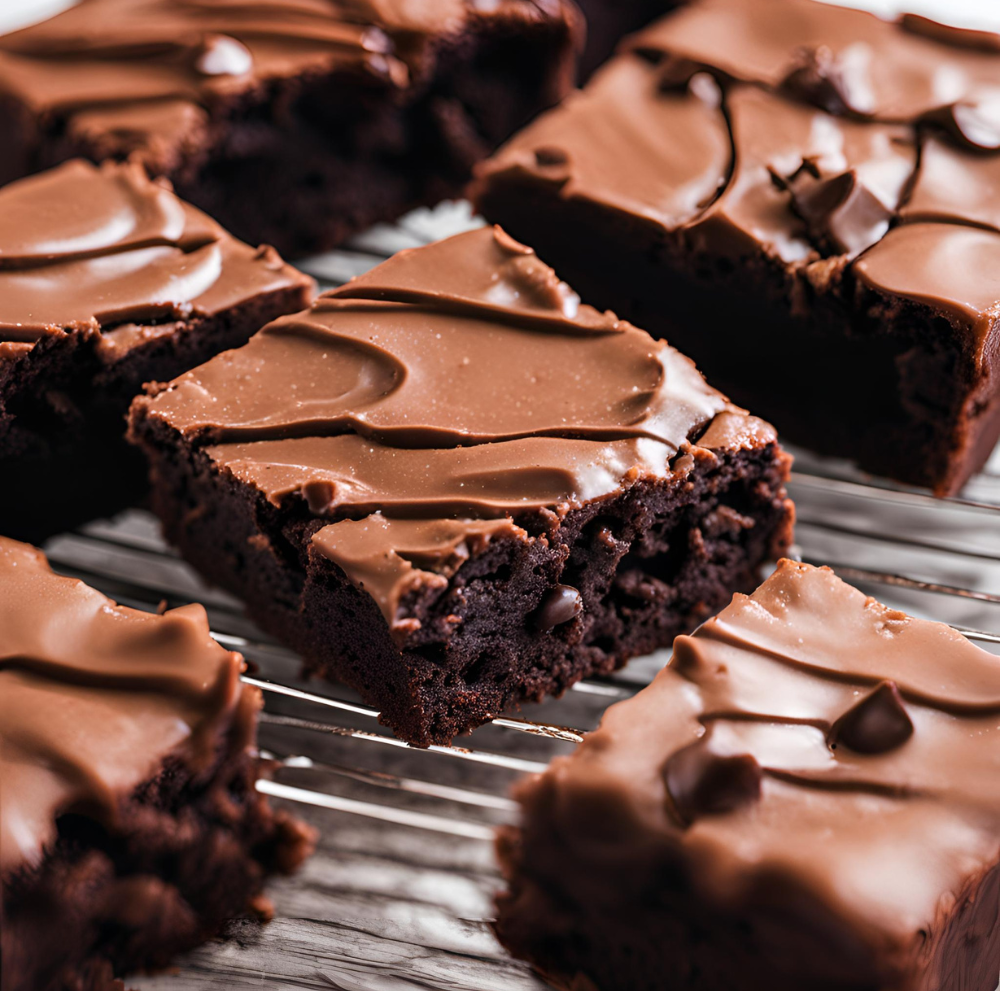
point(147, 74)
point(801, 130)
point(86, 248)
point(94, 696)
point(454, 384)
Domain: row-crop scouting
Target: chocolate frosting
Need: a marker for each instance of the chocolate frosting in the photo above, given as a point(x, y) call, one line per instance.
point(95, 696)
point(86, 248)
point(123, 59)
point(789, 129)
point(806, 747)
point(437, 400)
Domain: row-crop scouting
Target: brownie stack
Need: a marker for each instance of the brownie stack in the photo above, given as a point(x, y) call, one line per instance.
point(296, 123)
point(455, 488)
point(804, 199)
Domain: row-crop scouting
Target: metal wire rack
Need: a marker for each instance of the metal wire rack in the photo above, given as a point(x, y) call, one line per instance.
point(398, 893)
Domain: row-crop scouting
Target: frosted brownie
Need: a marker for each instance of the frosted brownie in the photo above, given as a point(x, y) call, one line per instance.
point(453, 487)
point(130, 828)
point(107, 281)
point(295, 123)
point(803, 198)
point(807, 797)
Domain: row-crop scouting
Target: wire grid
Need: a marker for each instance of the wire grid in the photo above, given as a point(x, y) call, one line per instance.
point(400, 891)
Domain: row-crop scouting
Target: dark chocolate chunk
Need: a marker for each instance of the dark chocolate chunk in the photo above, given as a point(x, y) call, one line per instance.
point(560, 605)
point(875, 725)
point(842, 214)
point(831, 83)
point(701, 782)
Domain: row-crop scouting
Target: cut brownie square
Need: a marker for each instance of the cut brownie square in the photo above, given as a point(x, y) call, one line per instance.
point(804, 199)
point(108, 281)
point(130, 828)
point(453, 487)
point(296, 123)
point(808, 796)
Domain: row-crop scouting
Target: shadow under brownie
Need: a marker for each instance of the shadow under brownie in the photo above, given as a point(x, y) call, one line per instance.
point(108, 281)
point(130, 828)
point(454, 488)
point(297, 123)
point(803, 198)
point(808, 797)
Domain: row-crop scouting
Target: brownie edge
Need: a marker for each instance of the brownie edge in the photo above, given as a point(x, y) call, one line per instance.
point(455, 488)
point(130, 824)
point(808, 796)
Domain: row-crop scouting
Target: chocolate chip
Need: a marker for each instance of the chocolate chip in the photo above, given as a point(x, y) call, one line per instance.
point(875, 725)
point(702, 783)
point(559, 606)
point(843, 215)
point(829, 82)
point(318, 496)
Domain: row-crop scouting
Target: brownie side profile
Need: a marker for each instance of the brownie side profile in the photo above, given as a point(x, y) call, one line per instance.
point(453, 487)
point(293, 124)
point(108, 281)
point(808, 796)
point(130, 828)
point(801, 197)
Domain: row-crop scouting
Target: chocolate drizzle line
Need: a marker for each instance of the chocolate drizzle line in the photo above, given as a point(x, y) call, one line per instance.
point(438, 402)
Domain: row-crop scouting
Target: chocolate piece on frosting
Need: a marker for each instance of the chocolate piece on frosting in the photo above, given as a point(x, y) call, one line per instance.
point(808, 796)
point(459, 487)
point(107, 281)
point(295, 123)
point(723, 182)
point(129, 824)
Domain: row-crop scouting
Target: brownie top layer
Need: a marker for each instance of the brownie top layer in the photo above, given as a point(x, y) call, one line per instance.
point(94, 696)
point(433, 401)
point(149, 71)
point(810, 133)
point(102, 248)
point(810, 740)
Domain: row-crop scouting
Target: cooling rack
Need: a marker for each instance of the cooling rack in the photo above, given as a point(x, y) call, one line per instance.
point(398, 895)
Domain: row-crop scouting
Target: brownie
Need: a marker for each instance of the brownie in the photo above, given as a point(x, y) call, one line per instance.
point(608, 21)
point(296, 123)
point(808, 796)
point(802, 197)
point(455, 488)
point(130, 825)
point(108, 281)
